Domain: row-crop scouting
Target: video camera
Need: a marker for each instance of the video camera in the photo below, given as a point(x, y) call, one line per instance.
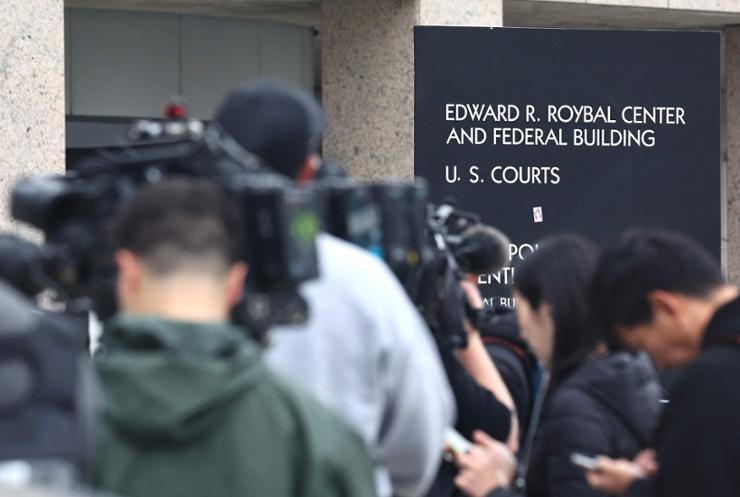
point(430, 249)
point(280, 220)
point(386, 218)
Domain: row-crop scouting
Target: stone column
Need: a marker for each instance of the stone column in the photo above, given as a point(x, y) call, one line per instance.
point(732, 172)
point(461, 13)
point(31, 93)
point(368, 76)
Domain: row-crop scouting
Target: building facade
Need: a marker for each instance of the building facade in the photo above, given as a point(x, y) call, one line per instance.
point(72, 72)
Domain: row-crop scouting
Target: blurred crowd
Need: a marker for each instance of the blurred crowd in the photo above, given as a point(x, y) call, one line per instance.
point(617, 373)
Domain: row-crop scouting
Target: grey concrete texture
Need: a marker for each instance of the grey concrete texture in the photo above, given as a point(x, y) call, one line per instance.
point(695, 5)
point(306, 12)
point(31, 94)
point(367, 87)
point(706, 5)
point(732, 179)
point(368, 77)
point(637, 14)
point(467, 13)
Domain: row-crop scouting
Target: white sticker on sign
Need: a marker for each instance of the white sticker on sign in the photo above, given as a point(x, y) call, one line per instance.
point(537, 211)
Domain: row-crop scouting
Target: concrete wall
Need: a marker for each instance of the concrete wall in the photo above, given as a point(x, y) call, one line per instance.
point(467, 13)
point(368, 76)
point(367, 85)
point(732, 172)
point(31, 93)
point(367, 67)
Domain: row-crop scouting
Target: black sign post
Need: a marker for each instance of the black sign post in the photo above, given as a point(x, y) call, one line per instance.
point(542, 131)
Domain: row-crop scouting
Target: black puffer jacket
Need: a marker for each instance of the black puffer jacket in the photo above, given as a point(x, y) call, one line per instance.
point(698, 441)
point(609, 406)
point(477, 409)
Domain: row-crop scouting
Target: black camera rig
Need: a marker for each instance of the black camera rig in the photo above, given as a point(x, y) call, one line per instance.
point(429, 248)
point(74, 211)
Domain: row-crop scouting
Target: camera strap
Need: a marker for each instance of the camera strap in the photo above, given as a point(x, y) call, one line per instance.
point(520, 482)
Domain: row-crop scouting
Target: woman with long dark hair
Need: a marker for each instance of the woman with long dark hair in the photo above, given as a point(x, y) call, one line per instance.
point(598, 403)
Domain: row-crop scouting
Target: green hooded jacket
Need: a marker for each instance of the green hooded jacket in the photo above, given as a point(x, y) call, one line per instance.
point(190, 410)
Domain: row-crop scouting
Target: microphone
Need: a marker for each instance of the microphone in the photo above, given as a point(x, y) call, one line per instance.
point(482, 249)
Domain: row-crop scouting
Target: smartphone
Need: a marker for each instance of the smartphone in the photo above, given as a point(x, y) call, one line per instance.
point(456, 444)
point(585, 462)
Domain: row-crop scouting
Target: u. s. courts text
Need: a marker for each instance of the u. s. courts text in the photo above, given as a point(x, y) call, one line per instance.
point(504, 174)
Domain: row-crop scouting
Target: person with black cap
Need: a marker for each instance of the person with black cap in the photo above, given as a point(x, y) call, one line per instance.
point(365, 350)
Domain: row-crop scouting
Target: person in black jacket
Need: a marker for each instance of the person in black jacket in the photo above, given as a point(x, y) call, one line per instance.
point(610, 405)
point(484, 404)
point(514, 359)
point(596, 403)
point(481, 414)
point(661, 292)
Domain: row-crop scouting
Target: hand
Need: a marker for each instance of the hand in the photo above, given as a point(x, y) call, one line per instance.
point(647, 461)
point(472, 293)
point(614, 476)
point(488, 466)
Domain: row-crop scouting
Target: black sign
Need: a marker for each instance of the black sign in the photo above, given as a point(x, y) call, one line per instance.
point(542, 131)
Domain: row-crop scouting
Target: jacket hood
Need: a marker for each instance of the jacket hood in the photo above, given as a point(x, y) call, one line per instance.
point(170, 380)
point(625, 384)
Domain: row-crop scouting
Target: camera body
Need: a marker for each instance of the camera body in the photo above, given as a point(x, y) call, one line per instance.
point(425, 246)
point(349, 212)
point(280, 221)
point(428, 248)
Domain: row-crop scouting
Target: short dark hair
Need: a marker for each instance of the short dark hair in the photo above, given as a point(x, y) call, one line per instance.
point(559, 273)
point(277, 122)
point(178, 224)
point(641, 260)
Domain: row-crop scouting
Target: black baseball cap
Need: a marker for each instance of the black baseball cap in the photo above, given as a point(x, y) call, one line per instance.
point(275, 121)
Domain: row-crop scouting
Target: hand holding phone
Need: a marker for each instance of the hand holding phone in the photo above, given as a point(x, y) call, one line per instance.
point(456, 444)
point(611, 476)
point(488, 465)
point(583, 461)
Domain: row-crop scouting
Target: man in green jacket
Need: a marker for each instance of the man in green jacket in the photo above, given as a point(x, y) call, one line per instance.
point(190, 410)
